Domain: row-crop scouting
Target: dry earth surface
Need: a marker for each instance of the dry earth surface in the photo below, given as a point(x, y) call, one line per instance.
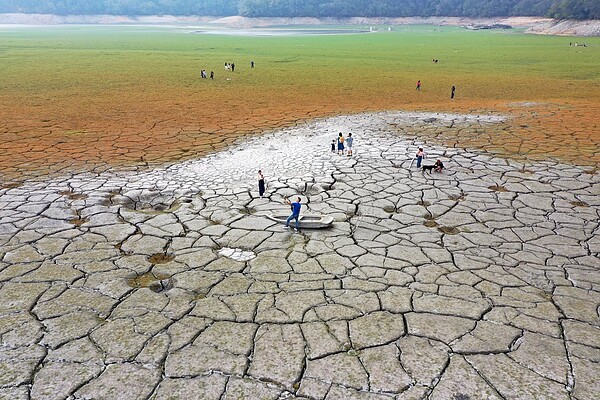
point(170, 283)
point(139, 128)
point(136, 260)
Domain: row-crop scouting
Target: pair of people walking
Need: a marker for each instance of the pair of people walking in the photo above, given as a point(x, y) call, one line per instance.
point(204, 75)
point(340, 144)
point(452, 90)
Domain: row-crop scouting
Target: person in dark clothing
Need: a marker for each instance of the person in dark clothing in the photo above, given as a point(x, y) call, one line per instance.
point(438, 166)
point(418, 85)
point(452, 93)
point(251, 64)
point(212, 74)
point(232, 67)
point(261, 183)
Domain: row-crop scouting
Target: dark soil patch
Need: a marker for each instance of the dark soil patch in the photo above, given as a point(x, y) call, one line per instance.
point(449, 230)
point(146, 280)
point(498, 188)
point(457, 197)
point(73, 196)
point(389, 209)
point(79, 221)
point(11, 185)
point(580, 204)
point(248, 211)
point(161, 258)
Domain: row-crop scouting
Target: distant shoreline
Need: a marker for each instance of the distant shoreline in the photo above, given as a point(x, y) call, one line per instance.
point(536, 25)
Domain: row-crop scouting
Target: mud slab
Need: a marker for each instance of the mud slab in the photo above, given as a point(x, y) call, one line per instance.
point(478, 282)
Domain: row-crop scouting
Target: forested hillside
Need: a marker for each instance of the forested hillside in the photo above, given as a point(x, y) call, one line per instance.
point(571, 9)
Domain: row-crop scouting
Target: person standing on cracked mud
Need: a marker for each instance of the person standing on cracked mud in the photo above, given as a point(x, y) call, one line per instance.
point(261, 183)
point(420, 155)
point(340, 144)
point(295, 213)
point(349, 141)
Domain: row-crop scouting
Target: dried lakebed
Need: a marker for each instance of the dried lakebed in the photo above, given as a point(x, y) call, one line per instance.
point(480, 282)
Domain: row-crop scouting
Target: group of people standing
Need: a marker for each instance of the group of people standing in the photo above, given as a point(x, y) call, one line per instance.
point(228, 67)
point(420, 156)
point(342, 143)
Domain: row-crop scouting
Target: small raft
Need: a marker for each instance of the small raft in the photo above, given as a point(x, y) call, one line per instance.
point(306, 221)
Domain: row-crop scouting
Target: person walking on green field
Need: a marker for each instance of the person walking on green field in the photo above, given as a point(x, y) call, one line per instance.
point(295, 213)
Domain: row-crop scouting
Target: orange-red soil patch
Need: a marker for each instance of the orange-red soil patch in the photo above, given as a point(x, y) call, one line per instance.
point(104, 130)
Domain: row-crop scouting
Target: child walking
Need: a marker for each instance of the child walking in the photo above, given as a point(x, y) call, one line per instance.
point(420, 155)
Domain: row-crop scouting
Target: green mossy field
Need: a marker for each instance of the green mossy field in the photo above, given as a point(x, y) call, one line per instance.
point(487, 64)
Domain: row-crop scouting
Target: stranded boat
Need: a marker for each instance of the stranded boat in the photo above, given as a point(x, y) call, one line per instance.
point(308, 221)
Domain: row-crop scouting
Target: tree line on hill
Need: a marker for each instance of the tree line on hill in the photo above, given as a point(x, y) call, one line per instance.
point(560, 9)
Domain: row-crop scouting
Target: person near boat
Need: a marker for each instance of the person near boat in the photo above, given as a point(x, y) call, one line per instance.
point(295, 206)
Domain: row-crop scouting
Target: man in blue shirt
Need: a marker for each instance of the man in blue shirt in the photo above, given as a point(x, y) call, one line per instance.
point(295, 213)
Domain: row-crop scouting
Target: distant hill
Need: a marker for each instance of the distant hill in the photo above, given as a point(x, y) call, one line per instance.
point(559, 9)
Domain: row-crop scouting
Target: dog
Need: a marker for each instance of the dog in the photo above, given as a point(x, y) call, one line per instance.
point(428, 168)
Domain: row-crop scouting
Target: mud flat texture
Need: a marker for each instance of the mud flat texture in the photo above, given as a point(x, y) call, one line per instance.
point(170, 283)
point(567, 27)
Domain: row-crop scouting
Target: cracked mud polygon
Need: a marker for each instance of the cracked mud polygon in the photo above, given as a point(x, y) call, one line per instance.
point(478, 282)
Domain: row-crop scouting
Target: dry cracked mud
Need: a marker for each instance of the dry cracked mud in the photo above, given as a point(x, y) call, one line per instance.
point(170, 283)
